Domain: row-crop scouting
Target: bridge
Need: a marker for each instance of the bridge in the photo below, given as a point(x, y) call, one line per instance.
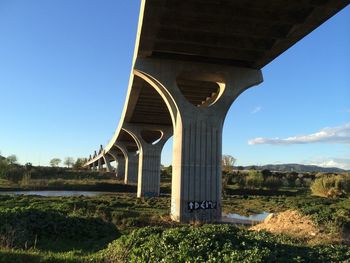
point(192, 59)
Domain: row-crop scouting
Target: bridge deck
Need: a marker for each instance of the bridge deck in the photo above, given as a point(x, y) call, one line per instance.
point(240, 33)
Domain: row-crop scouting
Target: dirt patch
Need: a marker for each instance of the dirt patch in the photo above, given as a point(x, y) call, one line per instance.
point(291, 223)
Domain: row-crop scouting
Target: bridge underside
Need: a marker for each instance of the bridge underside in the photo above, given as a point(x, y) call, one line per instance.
point(240, 33)
point(192, 59)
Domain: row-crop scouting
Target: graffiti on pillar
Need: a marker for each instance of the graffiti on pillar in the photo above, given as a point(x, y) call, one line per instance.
point(201, 205)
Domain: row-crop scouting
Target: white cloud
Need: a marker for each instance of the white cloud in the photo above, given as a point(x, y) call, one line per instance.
point(340, 135)
point(256, 109)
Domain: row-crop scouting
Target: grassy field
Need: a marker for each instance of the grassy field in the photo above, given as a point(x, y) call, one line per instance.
point(121, 228)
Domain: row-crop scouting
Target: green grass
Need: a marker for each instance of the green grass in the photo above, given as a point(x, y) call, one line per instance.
point(123, 210)
point(216, 243)
point(102, 228)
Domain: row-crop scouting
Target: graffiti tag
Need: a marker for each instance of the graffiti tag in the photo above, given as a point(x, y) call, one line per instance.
point(201, 205)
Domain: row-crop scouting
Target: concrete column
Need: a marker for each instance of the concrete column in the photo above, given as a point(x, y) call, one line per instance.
point(131, 163)
point(94, 166)
point(99, 165)
point(107, 160)
point(197, 146)
point(148, 182)
point(120, 160)
point(120, 167)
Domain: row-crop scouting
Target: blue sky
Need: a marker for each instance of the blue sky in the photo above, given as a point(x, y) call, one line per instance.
point(64, 70)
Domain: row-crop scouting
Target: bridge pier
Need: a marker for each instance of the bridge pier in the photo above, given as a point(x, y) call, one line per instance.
point(198, 121)
point(150, 140)
point(94, 165)
point(107, 160)
point(121, 167)
point(131, 163)
point(99, 165)
point(120, 161)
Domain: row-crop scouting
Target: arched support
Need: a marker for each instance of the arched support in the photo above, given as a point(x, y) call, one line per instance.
point(150, 149)
point(107, 161)
point(131, 163)
point(197, 146)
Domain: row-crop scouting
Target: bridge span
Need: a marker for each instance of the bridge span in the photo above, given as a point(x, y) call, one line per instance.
point(192, 60)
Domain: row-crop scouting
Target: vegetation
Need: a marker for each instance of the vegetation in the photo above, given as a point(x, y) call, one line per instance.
point(227, 163)
point(298, 168)
point(55, 162)
point(253, 179)
point(331, 185)
point(119, 227)
point(27, 177)
point(79, 229)
point(216, 243)
point(11, 159)
point(69, 161)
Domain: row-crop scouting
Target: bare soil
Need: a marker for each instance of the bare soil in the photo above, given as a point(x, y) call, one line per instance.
point(291, 223)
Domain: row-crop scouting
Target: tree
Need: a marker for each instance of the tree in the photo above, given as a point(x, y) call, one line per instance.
point(3, 168)
point(69, 161)
point(266, 173)
point(254, 180)
point(55, 162)
point(79, 163)
point(28, 166)
point(11, 159)
point(227, 163)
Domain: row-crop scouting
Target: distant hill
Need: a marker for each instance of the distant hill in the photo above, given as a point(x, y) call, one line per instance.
point(293, 167)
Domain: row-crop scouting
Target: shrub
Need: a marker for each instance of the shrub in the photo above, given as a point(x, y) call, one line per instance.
point(273, 182)
point(291, 178)
point(23, 228)
point(254, 180)
point(266, 173)
point(226, 181)
point(25, 181)
point(3, 168)
point(215, 243)
point(15, 173)
point(331, 185)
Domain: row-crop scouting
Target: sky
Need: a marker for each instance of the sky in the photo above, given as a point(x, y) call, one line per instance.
point(64, 72)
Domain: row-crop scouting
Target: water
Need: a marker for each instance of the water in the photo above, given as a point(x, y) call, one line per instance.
point(54, 193)
point(249, 220)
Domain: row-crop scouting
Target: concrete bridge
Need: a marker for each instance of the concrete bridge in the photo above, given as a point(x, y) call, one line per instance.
point(192, 60)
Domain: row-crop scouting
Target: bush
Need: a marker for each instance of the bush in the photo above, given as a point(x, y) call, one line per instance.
point(23, 228)
point(15, 173)
point(273, 182)
point(215, 243)
point(227, 180)
point(3, 168)
point(291, 178)
point(266, 173)
point(254, 180)
point(331, 185)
